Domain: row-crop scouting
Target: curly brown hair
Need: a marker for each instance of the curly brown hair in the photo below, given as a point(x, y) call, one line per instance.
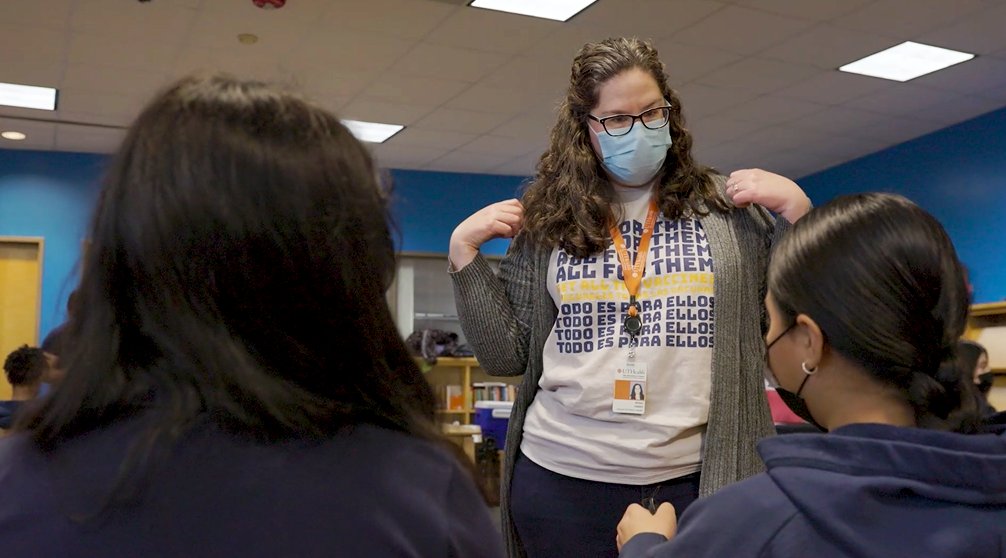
point(568, 203)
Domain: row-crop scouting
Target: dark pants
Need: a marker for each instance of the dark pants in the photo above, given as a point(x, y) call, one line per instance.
point(558, 516)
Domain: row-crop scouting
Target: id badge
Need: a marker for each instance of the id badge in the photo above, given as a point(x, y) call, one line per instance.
point(630, 389)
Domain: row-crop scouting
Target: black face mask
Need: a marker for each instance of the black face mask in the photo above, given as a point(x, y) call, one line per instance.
point(985, 383)
point(792, 400)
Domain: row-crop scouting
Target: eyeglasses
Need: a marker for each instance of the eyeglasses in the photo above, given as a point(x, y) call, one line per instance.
point(621, 124)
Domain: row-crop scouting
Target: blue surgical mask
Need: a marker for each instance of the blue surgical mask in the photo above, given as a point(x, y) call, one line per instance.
point(635, 158)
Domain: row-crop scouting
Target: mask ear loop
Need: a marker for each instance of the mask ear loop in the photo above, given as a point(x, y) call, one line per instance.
point(809, 373)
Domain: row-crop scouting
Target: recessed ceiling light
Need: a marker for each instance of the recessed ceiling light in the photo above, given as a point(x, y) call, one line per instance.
point(906, 61)
point(373, 132)
point(559, 10)
point(247, 38)
point(27, 96)
point(12, 135)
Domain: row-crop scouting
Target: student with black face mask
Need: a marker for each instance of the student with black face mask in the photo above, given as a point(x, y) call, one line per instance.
point(866, 301)
point(976, 368)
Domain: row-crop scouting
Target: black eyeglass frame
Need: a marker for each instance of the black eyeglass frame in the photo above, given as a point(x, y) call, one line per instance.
point(603, 121)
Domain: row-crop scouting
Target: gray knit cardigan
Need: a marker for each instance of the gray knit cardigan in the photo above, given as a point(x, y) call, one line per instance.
point(506, 317)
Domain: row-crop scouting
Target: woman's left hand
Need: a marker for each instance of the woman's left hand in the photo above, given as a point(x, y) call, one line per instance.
point(769, 190)
point(638, 519)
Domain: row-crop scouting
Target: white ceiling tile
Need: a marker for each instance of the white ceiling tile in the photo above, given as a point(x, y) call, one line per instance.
point(348, 50)
point(700, 100)
point(160, 23)
point(31, 44)
point(41, 135)
point(907, 19)
point(503, 147)
point(816, 10)
point(90, 49)
point(386, 113)
point(500, 31)
point(978, 33)
point(402, 18)
point(903, 99)
point(28, 71)
point(88, 139)
point(829, 46)
point(758, 75)
point(520, 166)
point(687, 62)
point(319, 84)
point(86, 105)
point(546, 73)
point(511, 99)
point(716, 129)
point(97, 78)
point(530, 128)
point(839, 120)
point(771, 109)
point(390, 155)
point(49, 13)
point(434, 61)
point(414, 136)
point(741, 30)
point(781, 138)
point(982, 76)
point(465, 121)
point(897, 130)
point(646, 19)
point(833, 88)
point(395, 88)
point(963, 107)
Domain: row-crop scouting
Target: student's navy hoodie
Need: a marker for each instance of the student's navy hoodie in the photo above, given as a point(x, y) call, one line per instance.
point(366, 492)
point(864, 490)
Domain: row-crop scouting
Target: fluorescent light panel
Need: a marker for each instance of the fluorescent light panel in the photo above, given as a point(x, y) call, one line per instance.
point(27, 96)
point(906, 61)
point(373, 132)
point(559, 10)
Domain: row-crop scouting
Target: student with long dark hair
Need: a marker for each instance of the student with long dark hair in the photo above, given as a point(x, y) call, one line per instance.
point(866, 301)
point(236, 385)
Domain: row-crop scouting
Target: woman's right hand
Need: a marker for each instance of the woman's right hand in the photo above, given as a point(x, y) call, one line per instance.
point(499, 220)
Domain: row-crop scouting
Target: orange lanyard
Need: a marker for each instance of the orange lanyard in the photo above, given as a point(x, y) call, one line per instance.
point(632, 271)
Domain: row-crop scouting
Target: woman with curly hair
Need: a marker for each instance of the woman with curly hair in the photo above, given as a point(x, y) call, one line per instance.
point(622, 243)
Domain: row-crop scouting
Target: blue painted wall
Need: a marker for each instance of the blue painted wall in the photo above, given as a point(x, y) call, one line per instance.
point(428, 205)
point(50, 195)
point(959, 175)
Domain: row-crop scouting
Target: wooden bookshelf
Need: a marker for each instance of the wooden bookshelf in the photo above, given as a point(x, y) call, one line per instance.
point(461, 371)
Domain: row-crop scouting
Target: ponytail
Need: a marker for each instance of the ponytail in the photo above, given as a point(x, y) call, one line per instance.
point(941, 398)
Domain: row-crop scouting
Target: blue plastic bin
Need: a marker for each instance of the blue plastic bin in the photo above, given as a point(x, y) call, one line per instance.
point(493, 417)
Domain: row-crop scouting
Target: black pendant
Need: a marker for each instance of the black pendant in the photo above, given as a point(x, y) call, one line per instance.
point(633, 325)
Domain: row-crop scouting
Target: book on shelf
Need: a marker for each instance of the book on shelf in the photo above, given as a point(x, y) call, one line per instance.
point(493, 391)
point(454, 398)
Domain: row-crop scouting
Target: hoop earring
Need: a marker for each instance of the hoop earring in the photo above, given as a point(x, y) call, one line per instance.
point(809, 372)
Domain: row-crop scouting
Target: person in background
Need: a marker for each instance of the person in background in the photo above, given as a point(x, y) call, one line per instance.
point(866, 301)
point(236, 385)
point(54, 344)
point(978, 371)
point(630, 262)
point(25, 368)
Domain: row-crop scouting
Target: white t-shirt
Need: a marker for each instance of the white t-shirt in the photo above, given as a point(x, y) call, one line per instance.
point(570, 427)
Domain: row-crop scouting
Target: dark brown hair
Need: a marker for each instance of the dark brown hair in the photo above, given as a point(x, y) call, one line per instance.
point(568, 203)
